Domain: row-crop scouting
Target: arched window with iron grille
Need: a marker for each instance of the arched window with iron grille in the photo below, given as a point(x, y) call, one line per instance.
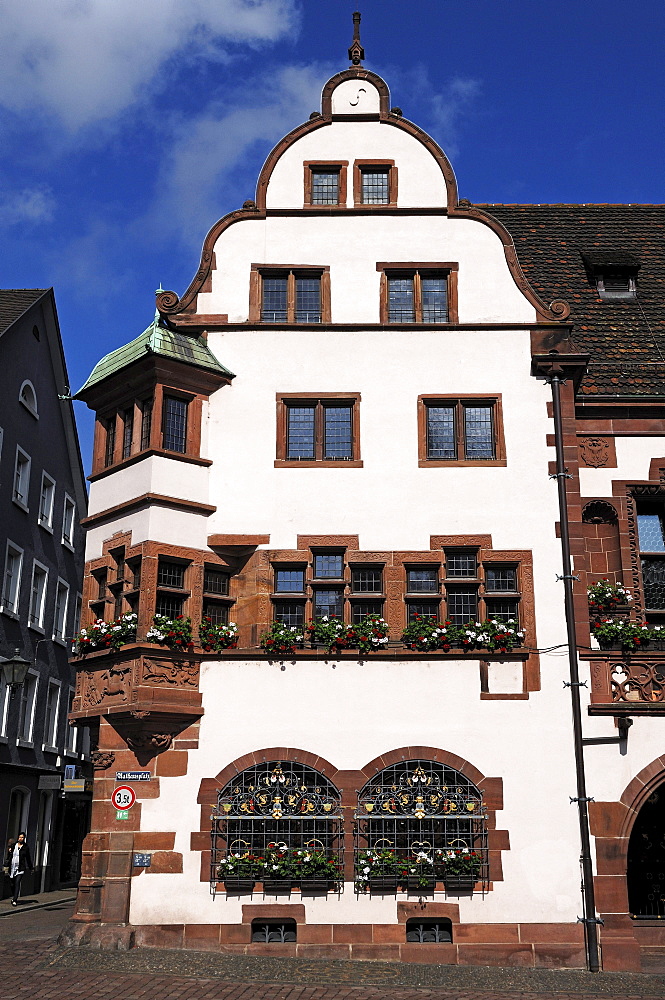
point(268, 813)
point(418, 824)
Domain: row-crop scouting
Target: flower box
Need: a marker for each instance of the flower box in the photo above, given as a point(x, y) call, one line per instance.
point(277, 885)
point(416, 885)
point(317, 886)
point(459, 883)
point(383, 883)
point(239, 886)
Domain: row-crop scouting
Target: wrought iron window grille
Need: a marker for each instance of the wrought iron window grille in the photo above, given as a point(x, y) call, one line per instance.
point(282, 805)
point(415, 811)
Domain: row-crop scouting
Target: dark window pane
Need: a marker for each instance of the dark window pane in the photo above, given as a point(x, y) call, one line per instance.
point(146, 423)
point(274, 300)
point(400, 300)
point(128, 427)
point(308, 300)
point(375, 187)
point(502, 608)
point(135, 570)
point(462, 606)
point(365, 581)
point(422, 581)
point(175, 424)
point(169, 605)
point(650, 531)
point(215, 581)
point(360, 610)
point(300, 432)
point(337, 432)
point(653, 576)
point(217, 612)
point(101, 578)
point(420, 609)
point(461, 564)
point(435, 300)
point(328, 602)
point(110, 441)
point(290, 613)
point(478, 433)
point(170, 574)
point(441, 432)
point(290, 580)
point(328, 565)
point(325, 187)
point(500, 578)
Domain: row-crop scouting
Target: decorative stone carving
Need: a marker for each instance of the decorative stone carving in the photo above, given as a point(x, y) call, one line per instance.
point(183, 673)
point(102, 759)
point(151, 741)
point(595, 451)
point(111, 684)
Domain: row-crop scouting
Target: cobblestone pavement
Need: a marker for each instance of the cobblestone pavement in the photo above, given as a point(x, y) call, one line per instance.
point(33, 967)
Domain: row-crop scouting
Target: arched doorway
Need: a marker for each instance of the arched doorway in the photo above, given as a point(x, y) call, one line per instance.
point(646, 858)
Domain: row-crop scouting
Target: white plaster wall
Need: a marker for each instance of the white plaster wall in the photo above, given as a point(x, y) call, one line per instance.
point(355, 97)
point(349, 713)
point(157, 524)
point(634, 455)
point(156, 474)
point(419, 178)
point(351, 247)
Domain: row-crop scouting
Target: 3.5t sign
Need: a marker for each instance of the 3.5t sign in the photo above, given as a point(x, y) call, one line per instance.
point(123, 797)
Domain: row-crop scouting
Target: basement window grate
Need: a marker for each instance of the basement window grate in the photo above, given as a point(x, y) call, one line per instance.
point(273, 932)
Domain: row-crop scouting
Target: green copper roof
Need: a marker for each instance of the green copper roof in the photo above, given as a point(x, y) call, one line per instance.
point(157, 339)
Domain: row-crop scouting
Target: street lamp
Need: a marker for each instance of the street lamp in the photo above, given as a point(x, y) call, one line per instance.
point(14, 669)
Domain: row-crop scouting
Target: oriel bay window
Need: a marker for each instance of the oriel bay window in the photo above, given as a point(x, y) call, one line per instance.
point(454, 431)
point(315, 430)
point(418, 293)
point(289, 294)
point(171, 593)
point(216, 594)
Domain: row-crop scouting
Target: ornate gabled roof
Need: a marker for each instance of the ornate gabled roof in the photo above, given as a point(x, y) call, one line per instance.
point(626, 339)
point(157, 339)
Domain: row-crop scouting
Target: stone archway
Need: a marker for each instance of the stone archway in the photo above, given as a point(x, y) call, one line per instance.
point(645, 874)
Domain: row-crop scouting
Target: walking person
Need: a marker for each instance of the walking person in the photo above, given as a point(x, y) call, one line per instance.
point(19, 862)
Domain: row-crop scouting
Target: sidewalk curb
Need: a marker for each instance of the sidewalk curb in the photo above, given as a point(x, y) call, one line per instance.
point(15, 911)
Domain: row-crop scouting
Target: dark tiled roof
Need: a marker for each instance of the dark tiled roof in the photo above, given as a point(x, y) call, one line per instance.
point(14, 302)
point(626, 340)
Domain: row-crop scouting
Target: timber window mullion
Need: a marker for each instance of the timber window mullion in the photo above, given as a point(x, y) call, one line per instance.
point(291, 298)
point(418, 296)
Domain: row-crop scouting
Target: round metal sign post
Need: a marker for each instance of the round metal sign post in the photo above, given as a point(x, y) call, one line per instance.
point(123, 797)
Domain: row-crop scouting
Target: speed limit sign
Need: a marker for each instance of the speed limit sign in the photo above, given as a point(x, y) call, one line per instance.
point(123, 797)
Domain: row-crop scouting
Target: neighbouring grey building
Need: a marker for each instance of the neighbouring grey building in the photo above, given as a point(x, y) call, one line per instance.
point(42, 501)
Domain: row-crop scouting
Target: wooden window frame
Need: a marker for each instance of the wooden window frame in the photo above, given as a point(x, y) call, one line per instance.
point(286, 399)
point(325, 166)
point(291, 271)
point(410, 269)
point(445, 399)
point(358, 168)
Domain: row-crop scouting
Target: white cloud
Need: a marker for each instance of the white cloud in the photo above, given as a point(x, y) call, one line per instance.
point(27, 206)
point(85, 60)
point(206, 156)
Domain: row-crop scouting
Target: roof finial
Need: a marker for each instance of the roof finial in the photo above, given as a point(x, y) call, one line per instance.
point(158, 291)
point(356, 51)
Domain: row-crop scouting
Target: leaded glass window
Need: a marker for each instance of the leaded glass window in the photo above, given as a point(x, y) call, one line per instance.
point(308, 300)
point(215, 581)
point(300, 432)
point(421, 807)
point(435, 300)
point(441, 435)
point(328, 565)
point(328, 603)
point(216, 611)
point(458, 430)
point(317, 430)
point(366, 580)
point(169, 605)
point(291, 581)
point(175, 424)
point(337, 437)
point(401, 308)
point(375, 186)
point(500, 578)
point(360, 610)
point(417, 297)
point(478, 432)
point(170, 574)
point(461, 564)
point(325, 187)
point(422, 609)
point(422, 581)
point(462, 604)
point(274, 308)
point(282, 803)
point(290, 612)
point(651, 534)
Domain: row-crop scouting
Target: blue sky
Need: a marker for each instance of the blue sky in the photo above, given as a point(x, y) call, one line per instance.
point(128, 127)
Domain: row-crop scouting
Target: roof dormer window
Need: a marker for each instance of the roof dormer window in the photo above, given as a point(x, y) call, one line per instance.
point(614, 274)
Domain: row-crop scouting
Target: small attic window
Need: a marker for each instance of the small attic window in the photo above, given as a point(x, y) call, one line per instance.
point(616, 287)
point(613, 273)
point(28, 397)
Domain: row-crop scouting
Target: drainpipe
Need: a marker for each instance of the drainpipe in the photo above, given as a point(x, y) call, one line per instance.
point(589, 919)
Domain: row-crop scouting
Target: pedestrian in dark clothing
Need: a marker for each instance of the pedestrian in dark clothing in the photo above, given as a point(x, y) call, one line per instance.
point(19, 862)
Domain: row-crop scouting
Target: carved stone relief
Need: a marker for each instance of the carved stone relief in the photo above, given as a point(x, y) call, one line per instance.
point(102, 759)
point(112, 684)
point(596, 452)
point(179, 674)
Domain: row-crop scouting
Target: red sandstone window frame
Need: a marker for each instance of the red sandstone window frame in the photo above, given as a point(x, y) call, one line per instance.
point(339, 167)
point(416, 270)
point(371, 166)
point(445, 399)
point(320, 400)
